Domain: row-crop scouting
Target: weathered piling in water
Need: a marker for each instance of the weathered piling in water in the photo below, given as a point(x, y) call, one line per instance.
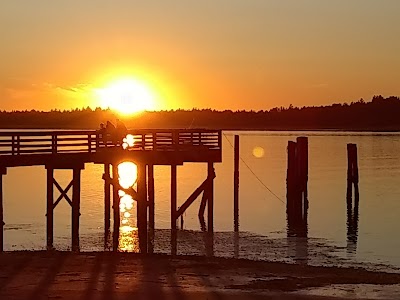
point(296, 183)
point(3, 171)
point(352, 207)
point(352, 171)
point(302, 167)
point(236, 185)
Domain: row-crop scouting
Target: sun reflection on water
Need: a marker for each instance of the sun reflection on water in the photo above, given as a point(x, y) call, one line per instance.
point(128, 239)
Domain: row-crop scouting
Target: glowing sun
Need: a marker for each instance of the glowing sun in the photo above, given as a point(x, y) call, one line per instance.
point(126, 96)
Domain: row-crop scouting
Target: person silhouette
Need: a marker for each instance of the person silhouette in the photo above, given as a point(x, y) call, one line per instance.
point(120, 132)
point(110, 131)
point(102, 134)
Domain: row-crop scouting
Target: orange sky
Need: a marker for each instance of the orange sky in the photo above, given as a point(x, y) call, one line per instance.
point(234, 54)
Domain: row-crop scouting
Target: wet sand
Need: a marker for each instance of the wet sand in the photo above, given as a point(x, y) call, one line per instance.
point(104, 275)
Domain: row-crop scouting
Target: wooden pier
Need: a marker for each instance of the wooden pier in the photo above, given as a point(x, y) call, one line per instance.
point(71, 150)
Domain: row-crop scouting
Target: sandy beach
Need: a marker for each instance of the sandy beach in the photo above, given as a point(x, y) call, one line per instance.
point(66, 275)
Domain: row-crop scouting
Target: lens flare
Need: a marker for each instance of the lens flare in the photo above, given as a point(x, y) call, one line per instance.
point(258, 152)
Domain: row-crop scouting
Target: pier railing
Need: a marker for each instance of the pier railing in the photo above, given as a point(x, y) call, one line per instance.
point(91, 141)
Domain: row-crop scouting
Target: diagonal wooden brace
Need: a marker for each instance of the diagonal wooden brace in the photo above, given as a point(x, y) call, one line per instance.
point(202, 188)
point(63, 192)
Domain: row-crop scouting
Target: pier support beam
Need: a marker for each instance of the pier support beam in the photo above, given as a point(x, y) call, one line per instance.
point(142, 208)
point(3, 171)
point(107, 200)
point(76, 206)
point(75, 184)
point(151, 202)
point(173, 209)
point(236, 186)
point(210, 194)
point(210, 210)
point(49, 207)
point(116, 209)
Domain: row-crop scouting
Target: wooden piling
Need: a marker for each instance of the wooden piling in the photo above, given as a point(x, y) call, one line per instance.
point(297, 191)
point(173, 209)
point(116, 209)
point(352, 171)
point(291, 176)
point(142, 208)
point(352, 207)
point(150, 182)
point(210, 194)
point(107, 199)
point(236, 185)
point(302, 169)
point(210, 211)
point(3, 171)
point(76, 199)
point(49, 207)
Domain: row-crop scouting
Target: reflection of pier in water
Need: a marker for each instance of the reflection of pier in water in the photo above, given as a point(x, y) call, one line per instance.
point(71, 150)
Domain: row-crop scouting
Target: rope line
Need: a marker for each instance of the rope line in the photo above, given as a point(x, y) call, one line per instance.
point(254, 174)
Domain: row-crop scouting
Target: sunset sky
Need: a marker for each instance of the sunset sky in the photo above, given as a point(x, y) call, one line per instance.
point(231, 54)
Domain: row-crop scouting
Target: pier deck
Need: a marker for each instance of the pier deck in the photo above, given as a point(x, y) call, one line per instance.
point(156, 147)
point(72, 149)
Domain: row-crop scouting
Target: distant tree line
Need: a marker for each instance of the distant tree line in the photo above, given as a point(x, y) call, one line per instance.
point(379, 114)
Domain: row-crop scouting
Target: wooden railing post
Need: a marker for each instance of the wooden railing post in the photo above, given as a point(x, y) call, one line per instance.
point(154, 135)
point(12, 144)
point(90, 143)
point(18, 145)
point(53, 143)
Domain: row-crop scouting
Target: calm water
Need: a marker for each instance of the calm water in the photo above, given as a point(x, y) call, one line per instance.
point(262, 214)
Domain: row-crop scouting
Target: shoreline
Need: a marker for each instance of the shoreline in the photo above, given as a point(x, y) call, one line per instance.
point(108, 275)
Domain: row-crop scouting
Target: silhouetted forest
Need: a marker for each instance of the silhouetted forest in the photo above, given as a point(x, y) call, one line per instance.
point(379, 114)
